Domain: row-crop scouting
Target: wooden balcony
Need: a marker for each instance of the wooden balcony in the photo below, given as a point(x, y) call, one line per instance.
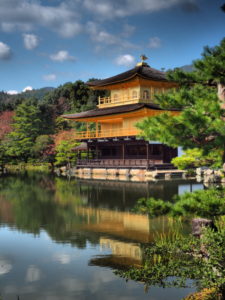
point(122, 100)
point(121, 163)
point(111, 133)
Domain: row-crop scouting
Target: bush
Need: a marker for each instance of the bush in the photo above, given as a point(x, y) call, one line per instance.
point(203, 203)
point(194, 158)
point(154, 207)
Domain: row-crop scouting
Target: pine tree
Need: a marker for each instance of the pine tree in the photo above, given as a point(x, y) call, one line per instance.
point(200, 123)
point(27, 126)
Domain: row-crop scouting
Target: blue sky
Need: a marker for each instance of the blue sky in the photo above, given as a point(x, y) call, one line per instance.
point(48, 43)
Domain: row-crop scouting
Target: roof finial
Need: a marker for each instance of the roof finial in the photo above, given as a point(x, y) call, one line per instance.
point(142, 63)
point(143, 58)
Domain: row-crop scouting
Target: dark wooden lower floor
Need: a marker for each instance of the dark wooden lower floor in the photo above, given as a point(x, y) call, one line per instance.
point(126, 153)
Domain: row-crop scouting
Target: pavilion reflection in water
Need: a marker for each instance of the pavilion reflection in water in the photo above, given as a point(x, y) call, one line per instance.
point(124, 254)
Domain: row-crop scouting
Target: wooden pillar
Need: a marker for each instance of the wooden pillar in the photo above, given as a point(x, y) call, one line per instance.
point(123, 153)
point(147, 155)
point(96, 151)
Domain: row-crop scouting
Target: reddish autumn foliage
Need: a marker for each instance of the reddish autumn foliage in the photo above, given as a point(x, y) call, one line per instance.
point(64, 135)
point(6, 119)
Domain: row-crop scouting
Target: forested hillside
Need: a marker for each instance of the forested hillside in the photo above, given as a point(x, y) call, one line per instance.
point(9, 102)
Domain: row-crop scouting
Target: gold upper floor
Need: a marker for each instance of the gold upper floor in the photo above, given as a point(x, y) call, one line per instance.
point(135, 91)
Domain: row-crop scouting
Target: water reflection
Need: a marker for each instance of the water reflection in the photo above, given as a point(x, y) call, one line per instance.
point(58, 234)
point(5, 266)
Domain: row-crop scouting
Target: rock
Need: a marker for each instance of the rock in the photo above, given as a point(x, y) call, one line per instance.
point(198, 178)
point(199, 171)
point(208, 172)
point(63, 169)
point(199, 223)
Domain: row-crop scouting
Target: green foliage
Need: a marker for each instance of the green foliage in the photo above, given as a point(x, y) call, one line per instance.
point(38, 113)
point(4, 158)
point(200, 123)
point(27, 126)
point(61, 124)
point(72, 97)
point(194, 158)
point(203, 203)
point(10, 102)
point(211, 67)
point(65, 154)
point(172, 262)
point(41, 142)
point(154, 207)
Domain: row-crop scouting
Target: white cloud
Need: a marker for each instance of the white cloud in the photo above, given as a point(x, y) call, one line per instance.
point(61, 56)
point(102, 38)
point(155, 42)
point(50, 77)
point(126, 60)
point(12, 92)
point(62, 258)
point(31, 41)
point(70, 29)
point(27, 15)
point(5, 51)
point(122, 8)
point(27, 88)
point(5, 266)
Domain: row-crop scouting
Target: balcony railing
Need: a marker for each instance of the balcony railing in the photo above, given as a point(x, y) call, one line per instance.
point(110, 133)
point(122, 100)
point(140, 163)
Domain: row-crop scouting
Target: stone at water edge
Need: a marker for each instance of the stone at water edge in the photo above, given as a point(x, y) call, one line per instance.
point(199, 223)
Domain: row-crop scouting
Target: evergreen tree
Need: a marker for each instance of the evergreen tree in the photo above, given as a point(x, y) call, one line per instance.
point(200, 123)
point(27, 126)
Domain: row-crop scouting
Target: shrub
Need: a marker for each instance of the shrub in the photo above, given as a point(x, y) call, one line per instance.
point(154, 207)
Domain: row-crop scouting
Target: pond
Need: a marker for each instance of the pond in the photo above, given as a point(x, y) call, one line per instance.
point(63, 239)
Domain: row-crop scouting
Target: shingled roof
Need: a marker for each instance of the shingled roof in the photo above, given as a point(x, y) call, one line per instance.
point(113, 110)
point(143, 71)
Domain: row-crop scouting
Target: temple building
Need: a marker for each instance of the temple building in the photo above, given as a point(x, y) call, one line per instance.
point(111, 136)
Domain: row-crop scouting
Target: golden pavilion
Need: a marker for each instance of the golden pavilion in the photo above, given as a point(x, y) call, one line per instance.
point(115, 141)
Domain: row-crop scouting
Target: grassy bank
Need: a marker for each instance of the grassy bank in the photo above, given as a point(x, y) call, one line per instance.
point(44, 167)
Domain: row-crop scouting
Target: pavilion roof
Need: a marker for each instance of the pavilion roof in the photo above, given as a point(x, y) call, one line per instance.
point(114, 110)
point(143, 71)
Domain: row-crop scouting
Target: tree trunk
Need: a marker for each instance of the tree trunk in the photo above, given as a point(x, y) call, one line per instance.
point(221, 94)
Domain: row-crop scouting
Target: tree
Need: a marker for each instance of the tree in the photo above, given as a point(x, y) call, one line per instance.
point(4, 158)
point(200, 123)
point(5, 123)
point(65, 154)
point(27, 126)
point(44, 149)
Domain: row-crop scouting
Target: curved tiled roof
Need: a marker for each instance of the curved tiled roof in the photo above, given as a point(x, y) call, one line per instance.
point(143, 71)
point(113, 110)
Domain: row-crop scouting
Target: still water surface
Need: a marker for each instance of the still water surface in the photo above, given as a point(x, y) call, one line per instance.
point(62, 239)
